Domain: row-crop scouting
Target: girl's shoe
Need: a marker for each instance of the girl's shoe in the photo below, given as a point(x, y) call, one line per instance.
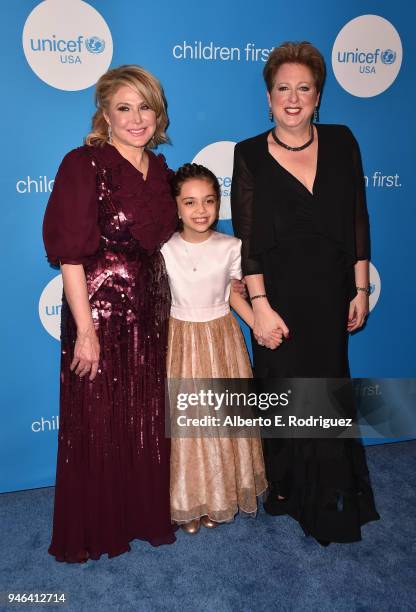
point(208, 523)
point(192, 527)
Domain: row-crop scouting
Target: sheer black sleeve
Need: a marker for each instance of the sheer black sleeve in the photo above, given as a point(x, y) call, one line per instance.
point(361, 221)
point(242, 192)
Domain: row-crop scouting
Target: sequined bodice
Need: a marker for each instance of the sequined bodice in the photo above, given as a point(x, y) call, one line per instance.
point(122, 275)
point(100, 201)
point(115, 226)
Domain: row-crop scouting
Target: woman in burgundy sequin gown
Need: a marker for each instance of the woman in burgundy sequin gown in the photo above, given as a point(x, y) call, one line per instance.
point(109, 213)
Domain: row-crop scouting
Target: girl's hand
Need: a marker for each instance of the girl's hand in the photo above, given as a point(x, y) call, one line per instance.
point(266, 323)
point(358, 311)
point(239, 286)
point(276, 337)
point(86, 354)
point(274, 340)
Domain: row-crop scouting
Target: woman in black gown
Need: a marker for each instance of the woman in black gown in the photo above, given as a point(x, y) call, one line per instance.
point(298, 204)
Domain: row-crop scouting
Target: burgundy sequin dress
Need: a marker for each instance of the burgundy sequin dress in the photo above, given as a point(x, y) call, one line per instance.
point(112, 482)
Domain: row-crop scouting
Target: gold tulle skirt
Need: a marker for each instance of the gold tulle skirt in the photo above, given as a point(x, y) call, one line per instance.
point(215, 477)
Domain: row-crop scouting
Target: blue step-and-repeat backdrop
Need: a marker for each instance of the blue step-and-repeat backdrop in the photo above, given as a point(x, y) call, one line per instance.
point(209, 57)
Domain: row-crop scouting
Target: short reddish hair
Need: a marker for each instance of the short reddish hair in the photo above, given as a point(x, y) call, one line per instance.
point(295, 53)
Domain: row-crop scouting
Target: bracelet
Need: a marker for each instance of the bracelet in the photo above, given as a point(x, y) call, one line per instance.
point(366, 290)
point(260, 295)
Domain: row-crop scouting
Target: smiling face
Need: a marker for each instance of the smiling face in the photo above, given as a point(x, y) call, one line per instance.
point(293, 97)
point(132, 121)
point(198, 208)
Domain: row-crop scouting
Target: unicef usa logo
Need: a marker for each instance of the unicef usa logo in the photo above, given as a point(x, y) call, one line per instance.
point(375, 286)
point(50, 305)
point(367, 56)
point(388, 56)
point(95, 44)
point(58, 53)
point(219, 158)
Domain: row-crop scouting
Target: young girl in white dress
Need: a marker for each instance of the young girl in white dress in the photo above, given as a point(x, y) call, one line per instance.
point(212, 478)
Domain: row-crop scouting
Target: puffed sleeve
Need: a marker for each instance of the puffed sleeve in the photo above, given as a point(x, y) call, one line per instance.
point(242, 192)
point(235, 264)
point(361, 221)
point(70, 227)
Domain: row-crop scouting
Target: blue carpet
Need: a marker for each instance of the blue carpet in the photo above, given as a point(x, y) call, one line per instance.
point(250, 565)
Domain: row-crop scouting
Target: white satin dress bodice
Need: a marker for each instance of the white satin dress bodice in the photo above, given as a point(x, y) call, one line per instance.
point(200, 275)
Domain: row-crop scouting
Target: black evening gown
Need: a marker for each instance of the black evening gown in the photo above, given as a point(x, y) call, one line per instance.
point(305, 245)
point(112, 482)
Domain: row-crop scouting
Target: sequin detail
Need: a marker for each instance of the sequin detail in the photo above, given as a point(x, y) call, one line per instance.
point(113, 458)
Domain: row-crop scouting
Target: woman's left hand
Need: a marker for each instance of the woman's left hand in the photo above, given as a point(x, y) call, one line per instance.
point(358, 311)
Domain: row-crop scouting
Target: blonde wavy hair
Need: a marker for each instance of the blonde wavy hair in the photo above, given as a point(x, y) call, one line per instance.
point(141, 81)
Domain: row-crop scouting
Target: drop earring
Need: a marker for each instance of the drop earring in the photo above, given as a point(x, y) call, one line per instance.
point(270, 114)
point(110, 135)
point(316, 115)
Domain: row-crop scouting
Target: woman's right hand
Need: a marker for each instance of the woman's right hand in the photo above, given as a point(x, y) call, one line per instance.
point(266, 325)
point(86, 354)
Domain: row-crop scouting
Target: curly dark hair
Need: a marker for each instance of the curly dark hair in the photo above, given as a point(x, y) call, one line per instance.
point(194, 171)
